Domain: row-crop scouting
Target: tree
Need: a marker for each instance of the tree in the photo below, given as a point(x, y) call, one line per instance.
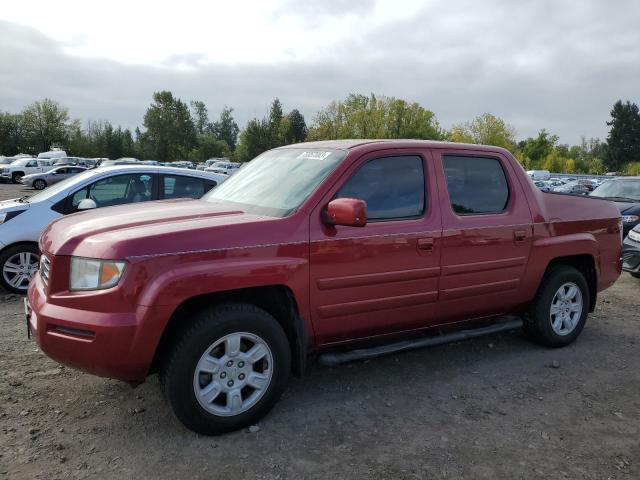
point(538, 149)
point(12, 134)
point(296, 128)
point(624, 137)
point(359, 116)
point(487, 129)
point(226, 128)
point(201, 116)
point(210, 147)
point(45, 123)
point(170, 131)
point(254, 139)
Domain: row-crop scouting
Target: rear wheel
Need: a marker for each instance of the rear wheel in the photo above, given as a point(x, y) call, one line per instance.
point(18, 265)
point(39, 184)
point(559, 312)
point(228, 370)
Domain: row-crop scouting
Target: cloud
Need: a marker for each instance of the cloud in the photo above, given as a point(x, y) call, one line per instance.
point(538, 64)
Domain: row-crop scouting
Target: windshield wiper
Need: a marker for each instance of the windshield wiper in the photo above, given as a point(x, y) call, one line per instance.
point(622, 199)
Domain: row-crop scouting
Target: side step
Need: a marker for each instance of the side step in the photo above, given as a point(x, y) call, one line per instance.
point(336, 358)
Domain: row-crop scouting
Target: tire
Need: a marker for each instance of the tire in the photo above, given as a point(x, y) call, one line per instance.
point(16, 177)
point(547, 328)
point(18, 265)
point(39, 184)
point(219, 325)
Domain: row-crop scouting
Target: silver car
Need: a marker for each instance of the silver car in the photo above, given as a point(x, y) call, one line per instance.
point(40, 181)
point(22, 220)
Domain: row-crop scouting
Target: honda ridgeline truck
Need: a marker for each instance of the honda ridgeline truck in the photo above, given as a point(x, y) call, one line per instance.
point(316, 248)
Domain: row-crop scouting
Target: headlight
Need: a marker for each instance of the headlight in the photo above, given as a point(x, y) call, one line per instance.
point(630, 218)
point(6, 216)
point(89, 274)
point(635, 236)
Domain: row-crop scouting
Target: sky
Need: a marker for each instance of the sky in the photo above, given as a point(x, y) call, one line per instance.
point(554, 64)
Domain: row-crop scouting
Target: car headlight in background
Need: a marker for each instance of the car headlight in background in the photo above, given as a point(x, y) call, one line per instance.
point(635, 236)
point(90, 274)
point(6, 216)
point(630, 218)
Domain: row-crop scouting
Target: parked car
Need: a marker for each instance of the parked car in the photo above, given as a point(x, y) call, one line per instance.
point(539, 174)
point(631, 252)
point(572, 188)
point(543, 186)
point(52, 154)
point(69, 161)
point(22, 220)
point(228, 168)
point(309, 247)
point(625, 192)
point(24, 166)
point(210, 162)
point(119, 161)
point(40, 181)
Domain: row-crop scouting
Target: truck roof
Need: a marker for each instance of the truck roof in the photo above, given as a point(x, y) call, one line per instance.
point(349, 144)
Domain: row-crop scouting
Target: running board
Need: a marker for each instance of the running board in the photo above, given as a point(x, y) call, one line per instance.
point(336, 358)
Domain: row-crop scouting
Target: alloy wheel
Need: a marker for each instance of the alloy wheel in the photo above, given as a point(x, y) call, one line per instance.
point(19, 269)
point(566, 309)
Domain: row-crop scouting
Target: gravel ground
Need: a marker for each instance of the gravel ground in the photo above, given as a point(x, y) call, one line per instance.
point(497, 407)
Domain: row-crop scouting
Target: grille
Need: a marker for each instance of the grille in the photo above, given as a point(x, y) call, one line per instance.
point(45, 268)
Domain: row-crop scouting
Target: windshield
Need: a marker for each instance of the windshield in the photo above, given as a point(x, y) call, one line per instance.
point(622, 189)
point(21, 163)
point(60, 186)
point(278, 181)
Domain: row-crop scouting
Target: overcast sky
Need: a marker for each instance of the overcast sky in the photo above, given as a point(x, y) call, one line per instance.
point(553, 64)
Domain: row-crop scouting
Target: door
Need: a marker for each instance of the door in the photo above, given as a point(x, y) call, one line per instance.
point(487, 234)
point(381, 278)
point(32, 167)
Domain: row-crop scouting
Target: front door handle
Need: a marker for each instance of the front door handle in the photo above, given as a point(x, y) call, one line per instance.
point(425, 244)
point(519, 235)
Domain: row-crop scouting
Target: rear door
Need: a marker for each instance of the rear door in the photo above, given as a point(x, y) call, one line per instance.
point(381, 278)
point(487, 234)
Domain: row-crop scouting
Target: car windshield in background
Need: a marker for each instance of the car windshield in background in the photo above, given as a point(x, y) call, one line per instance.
point(621, 189)
point(277, 182)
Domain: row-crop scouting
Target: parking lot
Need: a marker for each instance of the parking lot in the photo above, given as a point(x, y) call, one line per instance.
point(494, 407)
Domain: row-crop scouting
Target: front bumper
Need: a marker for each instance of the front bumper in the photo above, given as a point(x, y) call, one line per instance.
point(631, 256)
point(105, 344)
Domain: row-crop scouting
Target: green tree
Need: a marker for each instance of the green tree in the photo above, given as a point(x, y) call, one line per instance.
point(296, 127)
point(487, 129)
point(624, 137)
point(359, 116)
point(539, 148)
point(45, 124)
point(200, 115)
point(12, 134)
point(226, 128)
point(170, 131)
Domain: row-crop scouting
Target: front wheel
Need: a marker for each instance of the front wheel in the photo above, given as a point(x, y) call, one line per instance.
point(16, 177)
point(18, 265)
point(228, 370)
point(558, 313)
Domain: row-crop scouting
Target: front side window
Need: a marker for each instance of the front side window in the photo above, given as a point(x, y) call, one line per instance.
point(32, 164)
point(393, 187)
point(477, 185)
point(116, 190)
point(177, 186)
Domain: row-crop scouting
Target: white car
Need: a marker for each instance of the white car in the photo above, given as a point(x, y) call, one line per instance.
point(25, 166)
point(23, 220)
point(227, 168)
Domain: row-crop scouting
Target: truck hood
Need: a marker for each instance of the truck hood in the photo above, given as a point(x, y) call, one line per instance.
point(153, 228)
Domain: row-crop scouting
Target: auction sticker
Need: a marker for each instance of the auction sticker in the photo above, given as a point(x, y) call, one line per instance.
point(313, 155)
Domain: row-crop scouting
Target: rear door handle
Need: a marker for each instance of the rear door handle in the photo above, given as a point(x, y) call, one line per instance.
point(425, 244)
point(519, 235)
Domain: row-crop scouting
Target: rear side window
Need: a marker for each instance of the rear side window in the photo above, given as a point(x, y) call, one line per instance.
point(393, 187)
point(176, 186)
point(476, 185)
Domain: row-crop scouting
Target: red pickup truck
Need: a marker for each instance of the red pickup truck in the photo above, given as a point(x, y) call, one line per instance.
point(313, 248)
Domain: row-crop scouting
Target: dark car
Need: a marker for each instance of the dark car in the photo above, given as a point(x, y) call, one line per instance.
point(625, 192)
point(631, 252)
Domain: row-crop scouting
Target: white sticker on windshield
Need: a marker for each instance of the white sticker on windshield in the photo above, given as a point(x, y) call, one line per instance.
point(313, 155)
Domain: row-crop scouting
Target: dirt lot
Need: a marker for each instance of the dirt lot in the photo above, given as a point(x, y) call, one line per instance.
point(496, 407)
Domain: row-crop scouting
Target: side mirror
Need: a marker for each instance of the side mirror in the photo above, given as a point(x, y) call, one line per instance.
point(349, 212)
point(86, 204)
